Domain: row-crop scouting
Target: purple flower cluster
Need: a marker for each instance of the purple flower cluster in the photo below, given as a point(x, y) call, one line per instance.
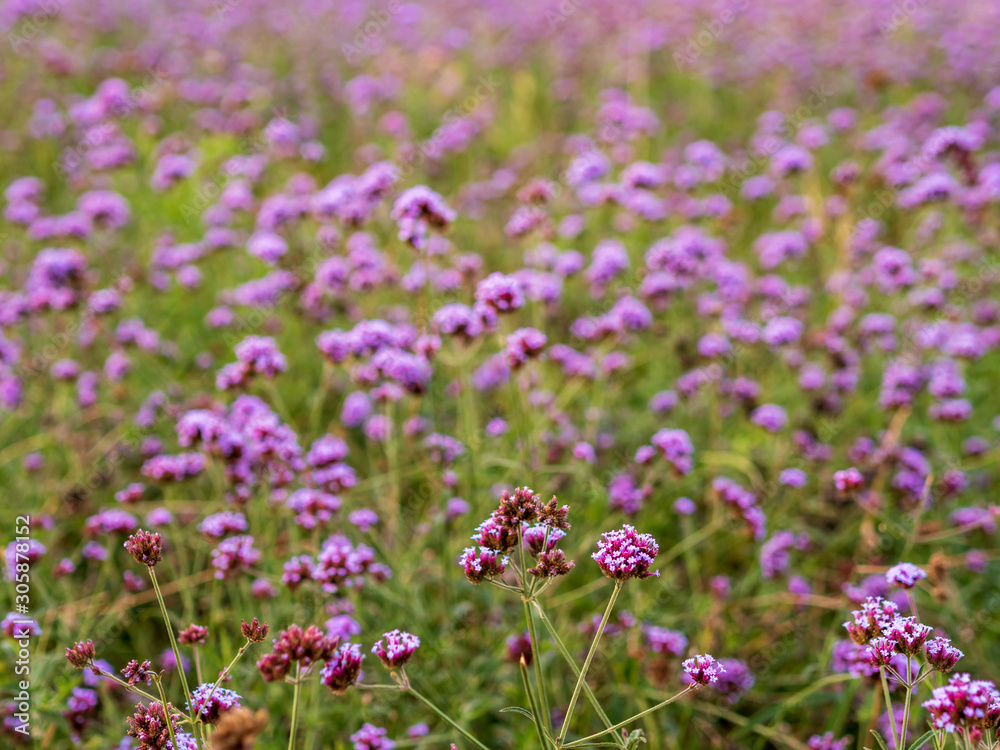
point(625, 554)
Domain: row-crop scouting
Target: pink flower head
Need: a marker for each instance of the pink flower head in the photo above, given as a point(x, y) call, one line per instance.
point(703, 669)
point(399, 647)
point(905, 575)
point(624, 554)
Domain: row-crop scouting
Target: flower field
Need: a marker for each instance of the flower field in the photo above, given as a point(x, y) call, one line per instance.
point(534, 374)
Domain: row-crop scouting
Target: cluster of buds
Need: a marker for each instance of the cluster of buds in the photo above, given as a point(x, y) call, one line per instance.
point(521, 519)
point(193, 635)
point(295, 646)
point(879, 626)
point(149, 724)
point(253, 631)
point(134, 672)
point(81, 655)
point(871, 620)
point(146, 547)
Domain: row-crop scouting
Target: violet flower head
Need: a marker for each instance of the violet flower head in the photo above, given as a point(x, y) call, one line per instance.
point(908, 635)
point(254, 631)
point(872, 620)
point(233, 555)
point(848, 480)
point(370, 737)
point(81, 655)
point(941, 655)
point(193, 635)
point(964, 704)
point(134, 672)
point(148, 724)
point(417, 210)
point(482, 564)
point(343, 669)
point(702, 669)
point(880, 652)
point(295, 646)
point(905, 575)
point(502, 293)
point(145, 547)
point(210, 702)
point(623, 554)
point(399, 647)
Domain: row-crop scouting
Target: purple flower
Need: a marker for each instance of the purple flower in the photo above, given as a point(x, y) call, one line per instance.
point(522, 345)
point(964, 704)
point(418, 209)
point(502, 293)
point(623, 554)
point(905, 575)
point(848, 480)
point(370, 737)
point(233, 555)
point(769, 416)
point(793, 478)
point(702, 669)
point(343, 669)
point(211, 702)
point(482, 564)
point(676, 448)
point(399, 647)
point(941, 655)
point(363, 518)
point(664, 640)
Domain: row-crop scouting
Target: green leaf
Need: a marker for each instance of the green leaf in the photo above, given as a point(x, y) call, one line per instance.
point(923, 740)
point(881, 742)
point(517, 710)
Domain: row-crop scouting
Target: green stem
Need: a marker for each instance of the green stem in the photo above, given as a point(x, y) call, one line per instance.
point(586, 664)
point(535, 710)
point(295, 706)
point(166, 706)
point(536, 651)
point(197, 666)
point(170, 632)
point(225, 672)
point(134, 689)
point(906, 709)
point(888, 705)
point(621, 724)
point(441, 714)
point(572, 665)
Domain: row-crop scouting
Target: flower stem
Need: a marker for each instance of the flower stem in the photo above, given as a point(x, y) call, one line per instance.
point(295, 706)
point(906, 709)
point(441, 714)
point(586, 664)
point(166, 708)
point(535, 710)
point(888, 705)
point(134, 689)
point(572, 665)
point(621, 724)
point(197, 666)
point(170, 632)
point(223, 674)
point(536, 651)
